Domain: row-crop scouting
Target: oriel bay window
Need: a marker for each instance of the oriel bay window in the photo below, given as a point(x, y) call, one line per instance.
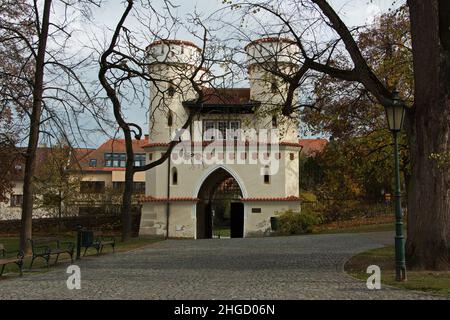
point(208, 130)
point(222, 126)
point(212, 128)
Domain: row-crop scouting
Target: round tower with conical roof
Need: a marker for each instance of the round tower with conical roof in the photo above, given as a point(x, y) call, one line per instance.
point(171, 63)
point(269, 59)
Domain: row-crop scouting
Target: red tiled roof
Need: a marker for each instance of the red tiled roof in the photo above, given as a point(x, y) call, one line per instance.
point(174, 41)
point(290, 198)
point(80, 157)
point(103, 169)
point(230, 96)
point(17, 163)
point(176, 199)
point(188, 199)
point(110, 146)
point(43, 155)
point(118, 145)
point(80, 153)
point(270, 39)
point(312, 147)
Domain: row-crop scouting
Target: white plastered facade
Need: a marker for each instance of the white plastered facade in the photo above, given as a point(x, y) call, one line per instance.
point(172, 207)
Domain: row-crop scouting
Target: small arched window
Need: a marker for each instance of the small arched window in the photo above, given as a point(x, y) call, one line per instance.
point(170, 118)
point(273, 87)
point(171, 90)
point(174, 176)
point(274, 121)
point(266, 175)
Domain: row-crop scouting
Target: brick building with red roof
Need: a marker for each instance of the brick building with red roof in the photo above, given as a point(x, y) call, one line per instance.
point(100, 173)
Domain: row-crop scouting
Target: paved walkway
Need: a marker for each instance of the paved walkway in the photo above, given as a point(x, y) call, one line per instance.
point(304, 267)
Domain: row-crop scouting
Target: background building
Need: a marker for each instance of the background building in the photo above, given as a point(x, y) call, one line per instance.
point(72, 181)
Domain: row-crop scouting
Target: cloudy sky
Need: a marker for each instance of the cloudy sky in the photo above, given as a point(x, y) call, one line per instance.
point(353, 12)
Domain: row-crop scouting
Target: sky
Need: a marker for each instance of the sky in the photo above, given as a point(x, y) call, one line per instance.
point(104, 19)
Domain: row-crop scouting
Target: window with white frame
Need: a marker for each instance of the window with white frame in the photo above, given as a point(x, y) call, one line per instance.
point(16, 200)
point(118, 160)
point(211, 128)
point(222, 126)
point(139, 159)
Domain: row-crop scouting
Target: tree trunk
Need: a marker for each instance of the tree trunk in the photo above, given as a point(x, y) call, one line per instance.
point(59, 209)
point(428, 242)
point(128, 192)
point(33, 140)
point(126, 203)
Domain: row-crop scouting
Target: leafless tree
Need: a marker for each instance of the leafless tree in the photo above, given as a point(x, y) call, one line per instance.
point(55, 95)
point(125, 64)
point(322, 36)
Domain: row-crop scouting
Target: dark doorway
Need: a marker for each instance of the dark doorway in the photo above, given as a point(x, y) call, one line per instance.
point(208, 221)
point(237, 220)
point(219, 203)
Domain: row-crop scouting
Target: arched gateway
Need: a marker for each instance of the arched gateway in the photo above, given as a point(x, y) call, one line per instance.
point(220, 210)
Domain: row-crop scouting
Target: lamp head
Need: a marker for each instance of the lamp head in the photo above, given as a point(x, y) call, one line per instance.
point(395, 113)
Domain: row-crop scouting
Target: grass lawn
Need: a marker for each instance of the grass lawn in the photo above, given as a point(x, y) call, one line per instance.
point(221, 231)
point(430, 281)
point(12, 244)
point(361, 228)
point(225, 231)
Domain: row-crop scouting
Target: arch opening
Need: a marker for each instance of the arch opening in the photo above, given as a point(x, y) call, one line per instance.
point(220, 211)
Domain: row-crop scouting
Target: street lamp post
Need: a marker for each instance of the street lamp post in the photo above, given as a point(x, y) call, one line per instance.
point(395, 114)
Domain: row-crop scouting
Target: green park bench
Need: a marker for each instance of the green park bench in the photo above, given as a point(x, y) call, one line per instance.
point(6, 258)
point(97, 241)
point(45, 248)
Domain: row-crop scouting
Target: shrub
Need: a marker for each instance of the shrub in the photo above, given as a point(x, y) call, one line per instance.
point(308, 196)
point(291, 222)
point(335, 210)
point(339, 210)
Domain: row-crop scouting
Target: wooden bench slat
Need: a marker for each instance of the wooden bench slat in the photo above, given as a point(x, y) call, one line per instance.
point(8, 261)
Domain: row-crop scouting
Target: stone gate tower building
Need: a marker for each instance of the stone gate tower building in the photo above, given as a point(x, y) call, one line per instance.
point(200, 191)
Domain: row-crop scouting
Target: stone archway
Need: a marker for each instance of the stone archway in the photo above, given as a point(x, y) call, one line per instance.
point(220, 207)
